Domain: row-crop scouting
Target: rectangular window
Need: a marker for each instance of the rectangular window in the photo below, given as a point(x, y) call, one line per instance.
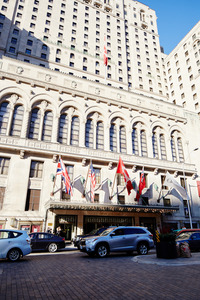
point(36, 169)
point(12, 49)
point(30, 42)
point(28, 51)
point(14, 41)
point(32, 200)
point(4, 165)
point(2, 192)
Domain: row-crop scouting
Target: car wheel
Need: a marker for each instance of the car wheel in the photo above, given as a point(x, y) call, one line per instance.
point(142, 249)
point(102, 250)
point(14, 255)
point(52, 247)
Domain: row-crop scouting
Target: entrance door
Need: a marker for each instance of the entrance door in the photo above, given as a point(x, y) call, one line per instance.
point(68, 232)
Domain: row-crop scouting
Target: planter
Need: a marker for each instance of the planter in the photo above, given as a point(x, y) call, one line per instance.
point(166, 249)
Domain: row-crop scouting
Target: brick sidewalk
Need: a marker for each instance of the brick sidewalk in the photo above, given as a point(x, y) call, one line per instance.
point(74, 275)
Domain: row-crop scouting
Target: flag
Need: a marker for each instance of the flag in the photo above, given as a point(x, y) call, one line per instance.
point(121, 170)
point(92, 182)
point(78, 184)
point(105, 56)
point(155, 187)
point(171, 182)
point(61, 170)
point(105, 187)
point(198, 187)
point(142, 185)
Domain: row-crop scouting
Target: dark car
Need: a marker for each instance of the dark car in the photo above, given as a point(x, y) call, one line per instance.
point(192, 238)
point(46, 241)
point(77, 239)
point(187, 230)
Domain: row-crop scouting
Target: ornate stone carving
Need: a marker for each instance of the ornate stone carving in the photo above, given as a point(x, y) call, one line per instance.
point(134, 169)
point(14, 98)
point(110, 165)
point(55, 157)
point(74, 84)
point(83, 162)
point(47, 78)
point(19, 70)
point(175, 174)
point(21, 154)
point(155, 171)
point(97, 91)
point(44, 104)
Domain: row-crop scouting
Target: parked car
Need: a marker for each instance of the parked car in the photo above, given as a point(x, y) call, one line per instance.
point(77, 239)
point(46, 241)
point(118, 239)
point(14, 244)
point(188, 230)
point(192, 238)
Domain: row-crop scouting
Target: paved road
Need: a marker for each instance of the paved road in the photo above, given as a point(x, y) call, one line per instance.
point(73, 275)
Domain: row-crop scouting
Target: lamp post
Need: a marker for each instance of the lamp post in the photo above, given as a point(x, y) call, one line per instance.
point(188, 199)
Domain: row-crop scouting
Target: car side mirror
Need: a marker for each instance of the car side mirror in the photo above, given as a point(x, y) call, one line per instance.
point(112, 234)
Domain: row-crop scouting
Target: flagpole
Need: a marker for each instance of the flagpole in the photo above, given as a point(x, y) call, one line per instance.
point(87, 178)
point(114, 182)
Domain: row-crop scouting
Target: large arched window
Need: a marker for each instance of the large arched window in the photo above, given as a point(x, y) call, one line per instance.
point(74, 138)
point(177, 146)
point(100, 136)
point(17, 121)
point(63, 129)
point(135, 141)
point(180, 149)
point(89, 134)
point(47, 126)
point(34, 124)
point(162, 147)
point(173, 148)
point(143, 142)
point(155, 145)
point(4, 117)
point(113, 138)
point(122, 139)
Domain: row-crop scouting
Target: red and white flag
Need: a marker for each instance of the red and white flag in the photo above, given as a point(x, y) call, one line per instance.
point(61, 170)
point(105, 56)
point(142, 185)
point(122, 170)
point(92, 182)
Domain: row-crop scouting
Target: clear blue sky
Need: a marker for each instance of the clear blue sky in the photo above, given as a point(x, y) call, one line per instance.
point(175, 19)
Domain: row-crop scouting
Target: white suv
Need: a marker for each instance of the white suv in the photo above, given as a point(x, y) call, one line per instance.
point(14, 244)
point(119, 239)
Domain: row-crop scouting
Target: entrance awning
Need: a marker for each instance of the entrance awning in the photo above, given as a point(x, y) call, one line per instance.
point(52, 206)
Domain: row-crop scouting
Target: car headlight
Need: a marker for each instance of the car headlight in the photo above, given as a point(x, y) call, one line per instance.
point(91, 241)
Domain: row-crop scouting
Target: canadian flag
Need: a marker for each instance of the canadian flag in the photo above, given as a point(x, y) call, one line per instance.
point(105, 56)
point(142, 185)
point(122, 170)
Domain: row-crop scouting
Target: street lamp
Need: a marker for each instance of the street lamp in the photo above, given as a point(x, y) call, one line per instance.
point(188, 199)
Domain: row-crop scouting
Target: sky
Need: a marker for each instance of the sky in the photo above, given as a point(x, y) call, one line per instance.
point(175, 18)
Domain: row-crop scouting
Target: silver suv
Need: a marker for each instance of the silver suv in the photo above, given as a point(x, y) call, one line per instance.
point(118, 239)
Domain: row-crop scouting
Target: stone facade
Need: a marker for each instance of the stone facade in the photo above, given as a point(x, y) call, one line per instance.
point(47, 113)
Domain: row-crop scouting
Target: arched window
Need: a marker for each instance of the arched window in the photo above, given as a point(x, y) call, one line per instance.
point(17, 121)
point(135, 141)
point(113, 138)
point(143, 141)
point(35, 124)
point(47, 126)
point(100, 136)
point(122, 139)
point(155, 145)
point(63, 129)
point(89, 134)
point(180, 149)
point(4, 117)
point(173, 148)
point(162, 147)
point(74, 139)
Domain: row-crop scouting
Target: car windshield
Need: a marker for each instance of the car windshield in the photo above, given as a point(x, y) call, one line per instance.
point(184, 236)
point(93, 231)
point(107, 231)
